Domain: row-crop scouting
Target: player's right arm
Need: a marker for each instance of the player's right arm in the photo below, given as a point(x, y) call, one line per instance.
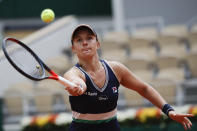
point(78, 78)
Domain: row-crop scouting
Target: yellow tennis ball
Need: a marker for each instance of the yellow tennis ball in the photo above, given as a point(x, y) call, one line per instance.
point(47, 15)
point(37, 66)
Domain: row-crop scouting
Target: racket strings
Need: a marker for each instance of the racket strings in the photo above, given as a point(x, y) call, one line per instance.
point(24, 60)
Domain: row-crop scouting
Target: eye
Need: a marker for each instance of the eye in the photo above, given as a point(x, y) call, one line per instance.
point(79, 40)
point(89, 38)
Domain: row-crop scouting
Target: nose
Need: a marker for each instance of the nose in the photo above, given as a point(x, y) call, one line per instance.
point(84, 43)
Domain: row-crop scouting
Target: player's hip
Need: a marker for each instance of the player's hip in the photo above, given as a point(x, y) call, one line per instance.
point(94, 117)
point(111, 125)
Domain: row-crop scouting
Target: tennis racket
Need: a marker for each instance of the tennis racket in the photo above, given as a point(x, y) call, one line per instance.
point(25, 61)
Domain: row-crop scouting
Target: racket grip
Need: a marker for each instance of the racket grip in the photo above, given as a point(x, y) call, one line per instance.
point(65, 82)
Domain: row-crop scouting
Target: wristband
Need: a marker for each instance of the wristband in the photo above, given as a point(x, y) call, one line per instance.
point(166, 108)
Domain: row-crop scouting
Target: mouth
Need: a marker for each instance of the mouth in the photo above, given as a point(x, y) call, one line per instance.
point(86, 50)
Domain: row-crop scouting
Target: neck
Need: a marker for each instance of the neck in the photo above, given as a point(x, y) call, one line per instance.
point(90, 64)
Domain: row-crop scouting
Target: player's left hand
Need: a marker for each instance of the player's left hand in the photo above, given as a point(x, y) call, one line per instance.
point(181, 118)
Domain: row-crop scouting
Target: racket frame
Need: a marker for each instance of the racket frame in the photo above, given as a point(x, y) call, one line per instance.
point(43, 66)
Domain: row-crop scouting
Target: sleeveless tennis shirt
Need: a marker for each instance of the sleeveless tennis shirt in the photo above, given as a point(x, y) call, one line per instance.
point(97, 100)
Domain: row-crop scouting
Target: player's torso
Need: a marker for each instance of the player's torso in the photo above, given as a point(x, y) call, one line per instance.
point(101, 95)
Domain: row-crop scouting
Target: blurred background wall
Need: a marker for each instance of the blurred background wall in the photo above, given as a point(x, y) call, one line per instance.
point(176, 11)
point(172, 11)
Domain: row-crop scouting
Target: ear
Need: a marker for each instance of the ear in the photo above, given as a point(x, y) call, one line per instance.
point(98, 45)
point(73, 49)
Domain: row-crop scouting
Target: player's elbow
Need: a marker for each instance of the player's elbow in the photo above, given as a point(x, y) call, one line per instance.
point(144, 89)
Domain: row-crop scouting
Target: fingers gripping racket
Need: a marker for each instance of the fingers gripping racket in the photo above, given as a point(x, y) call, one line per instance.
point(25, 61)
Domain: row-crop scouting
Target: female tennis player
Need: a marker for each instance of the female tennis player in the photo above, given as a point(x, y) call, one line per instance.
point(95, 107)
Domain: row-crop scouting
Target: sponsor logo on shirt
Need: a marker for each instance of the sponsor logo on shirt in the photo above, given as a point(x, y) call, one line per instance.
point(91, 93)
point(102, 98)
point(114, 89)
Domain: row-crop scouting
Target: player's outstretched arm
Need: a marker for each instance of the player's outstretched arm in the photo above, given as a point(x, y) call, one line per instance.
point(129, 80)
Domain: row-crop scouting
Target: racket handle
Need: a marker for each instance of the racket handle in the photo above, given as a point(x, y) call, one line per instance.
point(65, 82)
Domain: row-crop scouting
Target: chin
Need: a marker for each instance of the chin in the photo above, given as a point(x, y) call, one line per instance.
point(86, 55)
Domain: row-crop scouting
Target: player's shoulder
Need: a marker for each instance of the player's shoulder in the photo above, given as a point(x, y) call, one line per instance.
point(118, 68)
point(114, 64)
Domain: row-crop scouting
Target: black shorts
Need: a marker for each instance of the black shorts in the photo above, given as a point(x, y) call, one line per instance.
point(112, 125)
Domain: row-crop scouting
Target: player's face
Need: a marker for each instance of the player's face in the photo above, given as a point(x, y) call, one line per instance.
point(85, 44)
